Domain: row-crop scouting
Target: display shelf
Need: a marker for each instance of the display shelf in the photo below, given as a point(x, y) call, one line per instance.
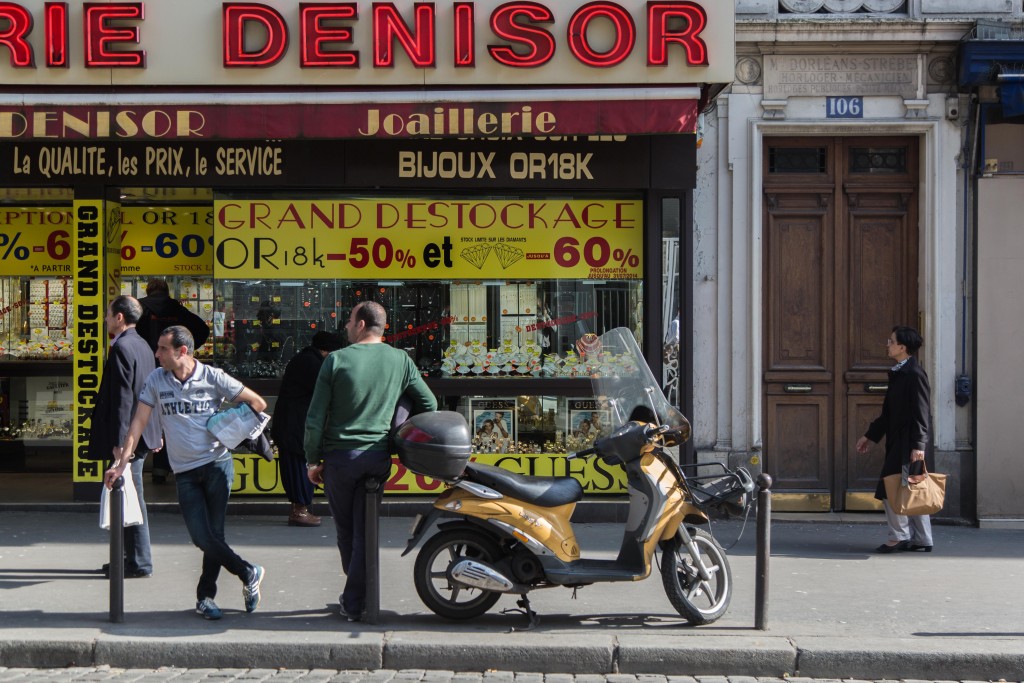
point(560, 386)
point(34, 368)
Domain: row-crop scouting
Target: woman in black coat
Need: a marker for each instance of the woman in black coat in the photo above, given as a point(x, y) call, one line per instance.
point(905, 423)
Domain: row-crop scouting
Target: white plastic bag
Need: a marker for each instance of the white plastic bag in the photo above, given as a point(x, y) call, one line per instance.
point(132, 510)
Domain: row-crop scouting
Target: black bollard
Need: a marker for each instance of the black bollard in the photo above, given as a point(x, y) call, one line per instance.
point(764, 550)
point(116, 571)
point(374, 489)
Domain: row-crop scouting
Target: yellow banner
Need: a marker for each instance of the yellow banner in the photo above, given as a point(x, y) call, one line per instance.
point(166, 240)
point(112, 263)
point(254, 475)
point(89, 333)
point(35, 240)
point(417, 239)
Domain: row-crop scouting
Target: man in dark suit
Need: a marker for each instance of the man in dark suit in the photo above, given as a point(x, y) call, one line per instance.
point(905, 423)
point(129, 362)
point(289, 425)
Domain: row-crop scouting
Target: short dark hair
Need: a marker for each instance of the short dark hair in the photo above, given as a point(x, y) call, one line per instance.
point(373, 314)
point(180, 336)
point(326, 341)
point(908, 337)
point(129, 307)
point(157, 285)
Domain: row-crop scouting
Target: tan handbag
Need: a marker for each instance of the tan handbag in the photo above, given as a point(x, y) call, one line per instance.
point(924, 493)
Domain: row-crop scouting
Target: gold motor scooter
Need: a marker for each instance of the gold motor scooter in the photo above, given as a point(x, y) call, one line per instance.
point(502, 532)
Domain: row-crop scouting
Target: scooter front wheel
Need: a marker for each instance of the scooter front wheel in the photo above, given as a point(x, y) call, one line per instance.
point(700, 601)
point(434, 584)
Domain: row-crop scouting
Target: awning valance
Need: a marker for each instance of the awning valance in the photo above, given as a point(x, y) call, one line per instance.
point(1011, 89)
point(351, 115)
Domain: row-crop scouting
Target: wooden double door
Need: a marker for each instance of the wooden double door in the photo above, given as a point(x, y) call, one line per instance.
point(840, 220)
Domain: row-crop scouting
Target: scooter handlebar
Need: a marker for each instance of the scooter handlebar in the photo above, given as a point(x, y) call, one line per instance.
point(581, 454)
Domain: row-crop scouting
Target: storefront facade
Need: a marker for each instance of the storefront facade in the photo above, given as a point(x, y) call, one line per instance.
point(300, 157)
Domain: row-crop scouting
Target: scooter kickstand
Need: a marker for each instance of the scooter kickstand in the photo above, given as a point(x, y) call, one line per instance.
point(524, 607)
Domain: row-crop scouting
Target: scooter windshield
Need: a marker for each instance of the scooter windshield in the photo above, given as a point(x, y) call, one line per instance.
point(620, 375)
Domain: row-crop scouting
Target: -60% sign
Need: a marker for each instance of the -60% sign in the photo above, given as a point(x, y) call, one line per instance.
point(595, 251)
point(169, 245)
point(56, 248)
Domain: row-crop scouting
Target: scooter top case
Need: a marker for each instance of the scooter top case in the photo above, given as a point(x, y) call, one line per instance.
point(435, 444)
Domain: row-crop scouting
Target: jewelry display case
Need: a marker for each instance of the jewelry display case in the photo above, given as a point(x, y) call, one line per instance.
point(476, 331)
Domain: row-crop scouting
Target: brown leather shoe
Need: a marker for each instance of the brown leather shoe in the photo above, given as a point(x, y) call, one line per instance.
point(301, 516)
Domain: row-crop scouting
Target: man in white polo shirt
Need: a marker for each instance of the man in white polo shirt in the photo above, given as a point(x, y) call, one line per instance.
point(183, 393)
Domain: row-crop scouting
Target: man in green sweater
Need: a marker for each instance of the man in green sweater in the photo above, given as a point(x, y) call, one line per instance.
point(346, 440)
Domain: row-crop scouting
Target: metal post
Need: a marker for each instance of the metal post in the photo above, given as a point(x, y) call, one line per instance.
point(116, 566)
point(374, 488)
point(764, 550)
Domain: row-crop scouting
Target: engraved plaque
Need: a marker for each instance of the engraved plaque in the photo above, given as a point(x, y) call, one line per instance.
point(853, 75)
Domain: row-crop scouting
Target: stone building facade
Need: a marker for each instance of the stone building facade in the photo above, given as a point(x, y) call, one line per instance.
point(843, 189)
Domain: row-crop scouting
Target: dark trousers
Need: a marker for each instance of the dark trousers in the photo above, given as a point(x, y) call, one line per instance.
point(297, 485)
point(203, 497)
point(138, 556)
point(345, 474)
point(161, 465)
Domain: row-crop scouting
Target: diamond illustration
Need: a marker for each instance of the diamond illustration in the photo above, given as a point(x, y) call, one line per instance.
point(507, 254)
point(476, 255)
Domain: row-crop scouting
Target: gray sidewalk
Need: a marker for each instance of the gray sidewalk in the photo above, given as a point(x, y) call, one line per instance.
point(835, 610)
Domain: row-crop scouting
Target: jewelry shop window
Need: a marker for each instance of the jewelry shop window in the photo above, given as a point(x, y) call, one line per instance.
point(497, 300)
point(474, 288)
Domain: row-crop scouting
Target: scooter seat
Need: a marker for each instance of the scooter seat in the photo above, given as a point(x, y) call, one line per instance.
point(547, 492)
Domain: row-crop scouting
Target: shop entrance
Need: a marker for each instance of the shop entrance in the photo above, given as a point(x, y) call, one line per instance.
point(840, 269)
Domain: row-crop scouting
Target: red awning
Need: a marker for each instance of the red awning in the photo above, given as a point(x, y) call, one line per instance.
point(202, 116)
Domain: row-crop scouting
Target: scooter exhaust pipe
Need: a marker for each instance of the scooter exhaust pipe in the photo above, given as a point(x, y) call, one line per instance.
point(485, 577)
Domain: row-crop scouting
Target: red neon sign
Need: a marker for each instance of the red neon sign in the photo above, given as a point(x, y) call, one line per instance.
point(55, 34)
point(539, 43)
point(465, 34)
point(236, 16)
point(388, 26)
point(659, 14)
point(101, 35)
point(19, 24)
point(256, 35)
point(315, 35)
point(625, 32)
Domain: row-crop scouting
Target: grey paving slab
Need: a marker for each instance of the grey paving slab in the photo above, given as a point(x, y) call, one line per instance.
point(500, 652)
point(702, 657)
point(992, 659)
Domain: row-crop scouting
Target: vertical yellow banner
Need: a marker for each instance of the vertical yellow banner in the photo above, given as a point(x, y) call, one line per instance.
point(90, 278)
point(112, 261)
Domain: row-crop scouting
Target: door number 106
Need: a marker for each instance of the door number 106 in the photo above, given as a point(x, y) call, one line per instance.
point(844, 107)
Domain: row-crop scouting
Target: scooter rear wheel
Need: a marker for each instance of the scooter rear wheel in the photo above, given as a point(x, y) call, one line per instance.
point(434, 585)
point(699, 601)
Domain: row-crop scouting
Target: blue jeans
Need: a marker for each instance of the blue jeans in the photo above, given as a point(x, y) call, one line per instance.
point(203, 496)
point(345, 474)
point(138, 556)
